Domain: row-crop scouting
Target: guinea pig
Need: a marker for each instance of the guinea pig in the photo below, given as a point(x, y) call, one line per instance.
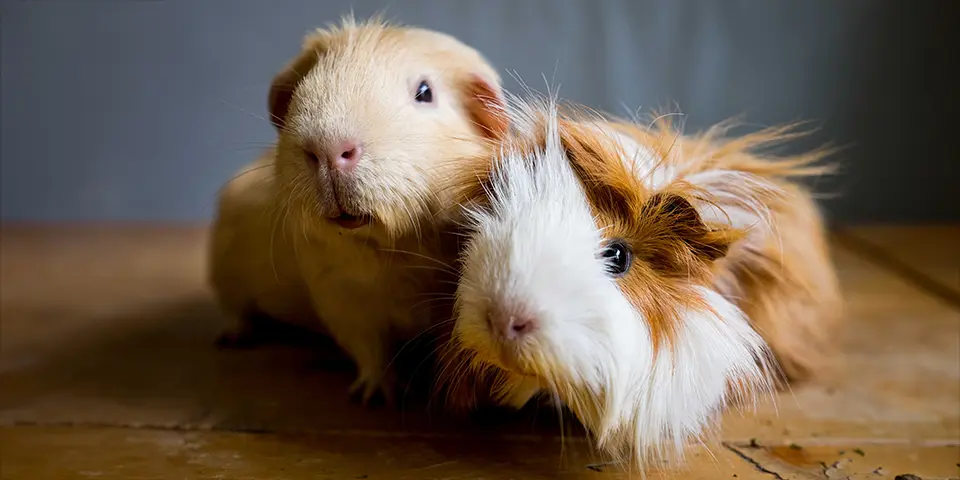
point(336, 227)
point(645, 280)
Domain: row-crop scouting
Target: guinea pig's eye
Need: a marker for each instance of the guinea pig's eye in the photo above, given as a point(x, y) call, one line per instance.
point(617, 258)
point(424, 93)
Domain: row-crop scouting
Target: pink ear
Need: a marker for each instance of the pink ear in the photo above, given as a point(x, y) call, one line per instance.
point(485, 104)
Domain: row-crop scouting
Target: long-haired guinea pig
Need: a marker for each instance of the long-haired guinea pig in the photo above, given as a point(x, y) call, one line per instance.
point(335, 226)
point(644, 281)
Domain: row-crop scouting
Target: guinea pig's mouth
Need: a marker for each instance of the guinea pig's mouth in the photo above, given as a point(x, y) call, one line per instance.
point(511, 359)
point(340, 214)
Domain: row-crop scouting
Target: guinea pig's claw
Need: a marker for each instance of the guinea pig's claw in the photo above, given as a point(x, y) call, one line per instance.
point(373, 389)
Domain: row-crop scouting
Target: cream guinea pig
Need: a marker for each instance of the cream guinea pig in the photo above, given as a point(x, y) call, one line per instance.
point(336, 228)
point(645, 280)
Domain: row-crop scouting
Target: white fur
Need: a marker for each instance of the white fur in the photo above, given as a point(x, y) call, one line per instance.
point(536, 247)
point(646, 163)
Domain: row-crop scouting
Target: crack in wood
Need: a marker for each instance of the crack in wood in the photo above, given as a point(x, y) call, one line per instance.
point(751, 461)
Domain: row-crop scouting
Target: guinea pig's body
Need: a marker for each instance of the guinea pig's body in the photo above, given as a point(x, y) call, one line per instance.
point(781, 274)
point(335, 228)
point(252, 268)
point(641, 278)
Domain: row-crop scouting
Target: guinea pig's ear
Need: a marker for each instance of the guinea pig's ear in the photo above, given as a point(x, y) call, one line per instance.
point(287, 80)
point(680, 226)
point(485, 104)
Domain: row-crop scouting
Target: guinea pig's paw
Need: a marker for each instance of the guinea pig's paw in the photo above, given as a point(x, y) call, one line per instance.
point(371, 388)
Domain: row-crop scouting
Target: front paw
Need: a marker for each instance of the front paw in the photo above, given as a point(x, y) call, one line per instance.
point(370, 389)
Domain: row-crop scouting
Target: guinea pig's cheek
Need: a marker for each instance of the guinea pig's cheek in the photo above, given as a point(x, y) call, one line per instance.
point(476, 334)
point(471, 332)
point(392, 190)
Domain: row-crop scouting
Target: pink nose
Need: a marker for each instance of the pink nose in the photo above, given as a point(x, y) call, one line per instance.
point(345, 155)
point(511, 324)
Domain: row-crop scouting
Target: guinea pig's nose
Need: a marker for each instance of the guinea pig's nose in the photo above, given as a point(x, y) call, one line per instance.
point(345, 155)
point(511, 325)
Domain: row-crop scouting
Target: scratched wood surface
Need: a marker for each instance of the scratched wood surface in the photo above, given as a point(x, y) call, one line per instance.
point(107, 371)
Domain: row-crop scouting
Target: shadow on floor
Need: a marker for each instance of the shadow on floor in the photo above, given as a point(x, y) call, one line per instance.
point(159, 365)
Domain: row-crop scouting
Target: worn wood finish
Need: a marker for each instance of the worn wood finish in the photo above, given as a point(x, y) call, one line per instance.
point(929, 256)
point(107, 370)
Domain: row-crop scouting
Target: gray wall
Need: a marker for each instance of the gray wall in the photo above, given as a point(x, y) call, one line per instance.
point(140, 109)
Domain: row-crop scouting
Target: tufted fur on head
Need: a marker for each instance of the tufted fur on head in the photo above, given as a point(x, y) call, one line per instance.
point(648, 357)
point(781, 274)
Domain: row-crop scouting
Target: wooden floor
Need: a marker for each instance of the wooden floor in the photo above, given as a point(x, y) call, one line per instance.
point(107, 371)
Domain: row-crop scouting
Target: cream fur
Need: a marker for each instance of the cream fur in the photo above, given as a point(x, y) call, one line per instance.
point(273, 251)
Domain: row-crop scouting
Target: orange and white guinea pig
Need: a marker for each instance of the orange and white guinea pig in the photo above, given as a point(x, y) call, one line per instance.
point(334, 227)
point(645, 281)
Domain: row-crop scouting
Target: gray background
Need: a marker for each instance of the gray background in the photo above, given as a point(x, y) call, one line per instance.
point(140, 109)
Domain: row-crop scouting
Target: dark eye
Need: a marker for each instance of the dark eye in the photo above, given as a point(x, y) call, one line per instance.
point(424, 94)
point(617, 258)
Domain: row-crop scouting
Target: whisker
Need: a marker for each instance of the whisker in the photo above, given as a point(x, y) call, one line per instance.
point(254, 115)
point(243, 173)
point(421, 256)
point(418, 336)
